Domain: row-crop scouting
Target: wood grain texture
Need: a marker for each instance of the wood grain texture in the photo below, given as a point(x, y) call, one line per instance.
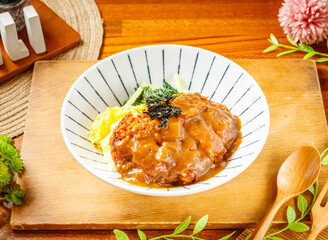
point(319, 213)
point(63, 195)
point(296, 175)
point(233, 42)
point(53, 28)
point(235, 29)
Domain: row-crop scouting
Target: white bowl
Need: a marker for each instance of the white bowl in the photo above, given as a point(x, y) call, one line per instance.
point(109, 82)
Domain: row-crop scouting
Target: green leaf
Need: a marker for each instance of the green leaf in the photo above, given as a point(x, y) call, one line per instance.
point(11, 156)
point(13, 193)
point(306, 48)
point(227, 237)
point(291, 41)
point(274, 39)
point(16, 200)
point(276, 238)
point(323, 59)
point(302, 203)
point(325, 160)
point(182, 226)
point(5, 176)
point(269, 49)
point(248, 236)
point(308, 55)
point(291, 215)
point(5, 138)
point(298, 227)
point(286, 52)
point(142, 235)
point(200, 225)
point(311, 189)
point(120, 235)
point(271, 41)
point(134, 97)
point(323, 153)
point(178, 83)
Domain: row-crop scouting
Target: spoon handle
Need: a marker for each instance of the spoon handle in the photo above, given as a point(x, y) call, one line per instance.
point(263, 226)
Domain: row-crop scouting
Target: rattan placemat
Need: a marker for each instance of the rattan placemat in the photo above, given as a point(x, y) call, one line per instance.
point(84, 17)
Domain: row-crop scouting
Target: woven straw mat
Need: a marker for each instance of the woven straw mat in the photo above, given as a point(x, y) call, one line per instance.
point(84, 17)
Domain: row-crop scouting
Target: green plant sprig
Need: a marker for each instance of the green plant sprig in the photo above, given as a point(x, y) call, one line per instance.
point(199, 226)
point(293, 223)
point(310, 52)
point(296, 225)
point(10, 163)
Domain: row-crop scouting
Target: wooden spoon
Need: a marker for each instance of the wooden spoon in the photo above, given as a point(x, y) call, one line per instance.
point(297, 174)
point(319, 214)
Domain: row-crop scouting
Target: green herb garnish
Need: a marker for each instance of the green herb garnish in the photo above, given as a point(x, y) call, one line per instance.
point(147, 90)
point(157, 100)
point(200, 225)
point(295, 47)
point(162, 109)
point(150, 91)
point(10, 163)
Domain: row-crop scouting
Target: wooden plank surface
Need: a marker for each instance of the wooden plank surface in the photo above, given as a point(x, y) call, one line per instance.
point(235, 29)
point(53, 28)
point(61, 194)
point(234, 42)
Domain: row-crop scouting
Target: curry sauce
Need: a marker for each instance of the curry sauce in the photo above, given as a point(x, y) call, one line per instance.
point(191, 148)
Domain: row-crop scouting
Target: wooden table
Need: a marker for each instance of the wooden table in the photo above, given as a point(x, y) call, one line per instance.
point(235, 29)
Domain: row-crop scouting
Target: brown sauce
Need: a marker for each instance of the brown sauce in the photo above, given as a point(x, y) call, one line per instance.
point(192, 148)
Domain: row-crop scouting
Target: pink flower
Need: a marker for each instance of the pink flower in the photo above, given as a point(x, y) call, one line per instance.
point(305, 20)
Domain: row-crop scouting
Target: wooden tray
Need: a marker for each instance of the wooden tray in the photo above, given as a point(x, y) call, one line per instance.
point(61, 194)
point(58, 36)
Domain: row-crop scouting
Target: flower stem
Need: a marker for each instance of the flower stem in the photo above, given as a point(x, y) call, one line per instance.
point(299, 49)
point(289, 47)
point(322, 54)
point(178, 236)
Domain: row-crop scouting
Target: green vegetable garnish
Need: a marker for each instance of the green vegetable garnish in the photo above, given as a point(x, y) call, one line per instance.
point(178, 83)
point(147, 90)
point(10, 163)
point(157, 100)
point(133, 99)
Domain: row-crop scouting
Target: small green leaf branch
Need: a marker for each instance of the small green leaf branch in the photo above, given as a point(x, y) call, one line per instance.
point(302, 205)
point(293, 223)
point(177, 233)
point(310, 52)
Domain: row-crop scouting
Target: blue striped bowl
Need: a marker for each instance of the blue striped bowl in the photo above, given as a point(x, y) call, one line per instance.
point(110, 82)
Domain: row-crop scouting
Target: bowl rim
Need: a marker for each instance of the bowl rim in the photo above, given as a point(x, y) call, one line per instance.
point(155, 191)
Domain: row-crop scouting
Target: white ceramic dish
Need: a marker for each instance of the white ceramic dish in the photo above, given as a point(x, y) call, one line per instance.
point(109, 83)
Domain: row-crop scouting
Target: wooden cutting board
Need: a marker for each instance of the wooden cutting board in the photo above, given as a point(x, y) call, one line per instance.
point(61, 194)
